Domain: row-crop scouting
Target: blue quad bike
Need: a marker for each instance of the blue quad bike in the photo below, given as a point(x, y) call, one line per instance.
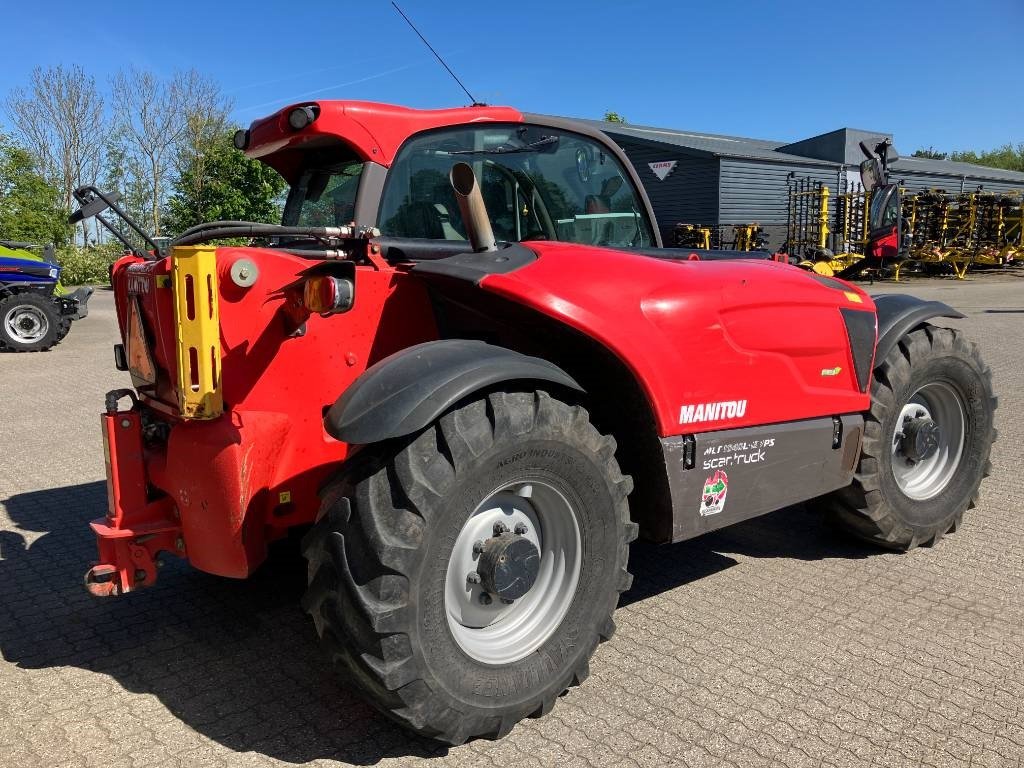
point(36, 311)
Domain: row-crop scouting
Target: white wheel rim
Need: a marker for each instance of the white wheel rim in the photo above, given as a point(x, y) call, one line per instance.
point(498, 633)
point(26, 323)
point(927, 478)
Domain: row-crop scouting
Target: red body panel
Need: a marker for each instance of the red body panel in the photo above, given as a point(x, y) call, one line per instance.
point(239, 481)
point(695, 332)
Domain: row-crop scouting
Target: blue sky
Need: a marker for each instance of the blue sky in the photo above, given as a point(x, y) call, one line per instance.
point(942, 74)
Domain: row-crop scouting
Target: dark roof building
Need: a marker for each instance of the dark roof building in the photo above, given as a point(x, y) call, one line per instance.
point(717, 179)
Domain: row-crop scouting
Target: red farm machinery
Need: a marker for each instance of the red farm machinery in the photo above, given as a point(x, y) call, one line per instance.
point(465, 366)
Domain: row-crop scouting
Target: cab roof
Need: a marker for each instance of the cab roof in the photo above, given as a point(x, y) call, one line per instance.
point(373, 131)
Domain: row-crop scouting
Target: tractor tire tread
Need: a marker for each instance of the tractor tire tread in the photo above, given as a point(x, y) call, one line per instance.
point(861, 509)
point(361, 605)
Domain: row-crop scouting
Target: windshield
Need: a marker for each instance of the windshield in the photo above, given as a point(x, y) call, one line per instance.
point(537, 183)
point(324, 196)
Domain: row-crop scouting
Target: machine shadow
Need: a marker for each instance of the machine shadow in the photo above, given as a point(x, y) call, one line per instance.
point(237, 661)
point(794, 532)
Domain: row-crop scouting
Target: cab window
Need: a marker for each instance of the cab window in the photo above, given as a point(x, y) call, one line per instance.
point(885, 207)
point(324, 195)
point(537, 183)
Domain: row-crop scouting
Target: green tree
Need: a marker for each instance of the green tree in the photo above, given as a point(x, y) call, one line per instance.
point(614, 117)
point(1008, 157)
point(222, 183)
point(30, 207)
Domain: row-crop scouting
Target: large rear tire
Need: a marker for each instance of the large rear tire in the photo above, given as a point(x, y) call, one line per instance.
point(463, 580)
point(927, 440)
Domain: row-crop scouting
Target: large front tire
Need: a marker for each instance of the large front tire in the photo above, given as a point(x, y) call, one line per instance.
point(927, 440)
point(518, 485)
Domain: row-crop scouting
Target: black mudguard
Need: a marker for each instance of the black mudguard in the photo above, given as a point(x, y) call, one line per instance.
point(899, 313)
point(406, 391)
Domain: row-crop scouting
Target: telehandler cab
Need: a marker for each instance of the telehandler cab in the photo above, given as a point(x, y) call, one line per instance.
point(464, 362)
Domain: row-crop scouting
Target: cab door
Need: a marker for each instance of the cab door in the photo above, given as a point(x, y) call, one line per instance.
point(885, 224)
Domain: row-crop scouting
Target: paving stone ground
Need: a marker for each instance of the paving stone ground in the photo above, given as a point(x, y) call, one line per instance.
point(775, 642)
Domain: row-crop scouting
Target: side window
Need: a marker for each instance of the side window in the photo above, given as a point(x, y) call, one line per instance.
point(537, 183)
point(885, 207)
point(324, 197)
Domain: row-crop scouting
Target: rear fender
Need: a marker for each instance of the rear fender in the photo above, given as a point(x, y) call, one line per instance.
point(408, 390)
point(899, 313)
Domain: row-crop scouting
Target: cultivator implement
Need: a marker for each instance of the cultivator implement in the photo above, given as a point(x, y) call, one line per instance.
point(714, 237)
point(807, 226)
point(816, 238)
point(945, 231)
point(973, 229)
point(696, 236)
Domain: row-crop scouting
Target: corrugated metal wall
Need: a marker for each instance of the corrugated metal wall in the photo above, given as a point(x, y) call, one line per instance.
point(689, 194)
point(730, 190)
point(754, 191)
point(916, 182)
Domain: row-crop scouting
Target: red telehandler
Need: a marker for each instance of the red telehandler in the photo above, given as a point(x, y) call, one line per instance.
point(465, 365)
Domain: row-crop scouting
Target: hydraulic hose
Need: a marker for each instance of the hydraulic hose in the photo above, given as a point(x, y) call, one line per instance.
point(248, 229)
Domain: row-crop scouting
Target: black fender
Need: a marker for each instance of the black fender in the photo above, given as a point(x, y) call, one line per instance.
point(899, 313)
point(406, 391)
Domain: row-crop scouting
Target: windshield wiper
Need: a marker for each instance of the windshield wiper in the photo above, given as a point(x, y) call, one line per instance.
point(536, 146)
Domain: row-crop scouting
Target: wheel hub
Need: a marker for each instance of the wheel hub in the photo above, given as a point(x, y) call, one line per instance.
point(508, 566)
point(513, 570)
point(921, 437)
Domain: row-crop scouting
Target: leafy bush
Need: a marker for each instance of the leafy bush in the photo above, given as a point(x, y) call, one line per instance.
point(91, 264)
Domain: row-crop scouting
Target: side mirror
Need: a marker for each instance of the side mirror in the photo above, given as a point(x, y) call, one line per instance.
point(94, 207)
point(872, 175)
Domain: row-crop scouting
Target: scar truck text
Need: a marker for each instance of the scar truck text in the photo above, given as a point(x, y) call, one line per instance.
point(727, 409)
point(737, 454)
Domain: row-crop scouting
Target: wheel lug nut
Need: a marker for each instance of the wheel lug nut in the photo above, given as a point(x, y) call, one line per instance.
point(506, 601)
point(473, 577)
point(478, 547)
point(520, 529)
point(485, 598)
point(500, 528)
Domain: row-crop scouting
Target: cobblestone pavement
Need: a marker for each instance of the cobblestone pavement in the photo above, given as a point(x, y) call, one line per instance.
point(776, 642)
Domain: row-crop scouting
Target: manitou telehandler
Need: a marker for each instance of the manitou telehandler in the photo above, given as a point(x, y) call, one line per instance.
point(465, 364)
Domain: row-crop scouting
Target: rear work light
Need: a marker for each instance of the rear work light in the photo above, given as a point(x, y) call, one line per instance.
point(328, 295)
point(300, 117)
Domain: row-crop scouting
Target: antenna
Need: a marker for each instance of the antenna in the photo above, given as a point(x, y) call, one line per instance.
point(437, 56)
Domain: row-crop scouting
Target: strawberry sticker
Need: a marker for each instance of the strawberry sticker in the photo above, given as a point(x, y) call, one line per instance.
point(715, 489)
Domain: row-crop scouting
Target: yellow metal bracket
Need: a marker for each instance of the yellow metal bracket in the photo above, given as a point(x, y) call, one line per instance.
point(197, 331)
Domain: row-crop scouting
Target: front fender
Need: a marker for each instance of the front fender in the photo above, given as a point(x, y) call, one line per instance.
point(899, 313)
point(408, 390)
